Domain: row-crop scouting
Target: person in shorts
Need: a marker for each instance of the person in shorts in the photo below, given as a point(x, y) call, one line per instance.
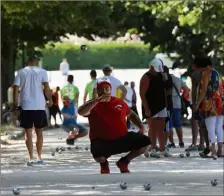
point(31, 80)
point(108, 131)
point(70, 125)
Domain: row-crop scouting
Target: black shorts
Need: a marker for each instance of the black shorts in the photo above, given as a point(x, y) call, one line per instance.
point(106, 148)
point(54, 110)
point(30, 118)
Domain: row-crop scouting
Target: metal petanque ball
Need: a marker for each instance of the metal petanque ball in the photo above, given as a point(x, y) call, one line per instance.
point(62, 149)
point(53, 154)
point(123, 185)
point(69, 148)
point(188, 154)
point(83, 47)
point(57, 149)
point(147, 187)
point(86, 148)
point(76, 147)
point(181, 156)
point(214, 182)
point(16, 191)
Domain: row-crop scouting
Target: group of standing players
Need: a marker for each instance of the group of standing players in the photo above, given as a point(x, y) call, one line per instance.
point(108, 111)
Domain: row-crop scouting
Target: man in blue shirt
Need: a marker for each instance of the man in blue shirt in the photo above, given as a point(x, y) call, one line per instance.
point(70, 125)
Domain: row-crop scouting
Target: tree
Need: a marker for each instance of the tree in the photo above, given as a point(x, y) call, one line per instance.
point(184, 28)
point(28, 25)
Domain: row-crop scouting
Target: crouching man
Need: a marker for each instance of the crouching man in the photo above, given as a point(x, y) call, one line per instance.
point(108, 130)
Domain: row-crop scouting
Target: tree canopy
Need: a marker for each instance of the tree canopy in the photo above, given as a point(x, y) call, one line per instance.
point(183, 28)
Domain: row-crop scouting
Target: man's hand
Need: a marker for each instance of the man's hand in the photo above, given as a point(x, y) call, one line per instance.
point(49, 103)
point(142, 130)
point(104, 98)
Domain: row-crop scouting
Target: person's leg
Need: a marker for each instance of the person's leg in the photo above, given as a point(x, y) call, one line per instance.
point(39, 142)
point(211, 126)
point(26, 122)
point(100, 150)
point(29, 143)
point(82, 131)
point(40, 121)
point(152, 131)
point(178, 126)
point(201, 135)
point(136, 143)
point(160, 124)
point(128, 123)
point(219, 132)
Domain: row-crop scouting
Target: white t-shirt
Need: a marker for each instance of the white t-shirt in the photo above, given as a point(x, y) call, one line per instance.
point(180, 84)
point(129, 96)
point(30, 79)
point(64, 67)
point(115, 83)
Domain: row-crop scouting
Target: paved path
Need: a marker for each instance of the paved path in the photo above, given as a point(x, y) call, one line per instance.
point(75, 173)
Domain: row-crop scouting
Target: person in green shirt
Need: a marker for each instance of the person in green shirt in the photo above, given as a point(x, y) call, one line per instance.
point(71, 91)
point(89, 86)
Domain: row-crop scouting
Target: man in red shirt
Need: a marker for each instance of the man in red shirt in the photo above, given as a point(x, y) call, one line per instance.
point(108, 130)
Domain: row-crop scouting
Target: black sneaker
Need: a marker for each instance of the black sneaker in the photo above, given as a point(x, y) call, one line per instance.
point(206, 151)
point(181, 144)
point(171, 145)
point(70, 141)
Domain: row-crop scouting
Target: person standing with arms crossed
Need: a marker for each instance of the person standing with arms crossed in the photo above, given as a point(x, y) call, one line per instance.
point(31, 80)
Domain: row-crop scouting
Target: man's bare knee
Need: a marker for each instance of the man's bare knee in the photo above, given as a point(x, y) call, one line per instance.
point(39, 132)
point(100, 159)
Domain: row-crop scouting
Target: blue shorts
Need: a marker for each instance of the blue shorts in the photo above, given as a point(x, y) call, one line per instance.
point(71, 127)
point(175, 118)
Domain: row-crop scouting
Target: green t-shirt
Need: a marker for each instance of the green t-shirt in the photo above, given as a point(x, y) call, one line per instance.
point(69, 90)
point(89, 88)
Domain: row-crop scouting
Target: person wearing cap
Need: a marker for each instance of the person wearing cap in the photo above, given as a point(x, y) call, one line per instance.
point(89, 86)
point(71, 91)
point(108, 131)
point(153, 96)
point(31, 80)
point(118, 90)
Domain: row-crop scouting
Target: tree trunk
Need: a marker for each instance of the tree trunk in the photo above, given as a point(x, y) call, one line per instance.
point(8, 66)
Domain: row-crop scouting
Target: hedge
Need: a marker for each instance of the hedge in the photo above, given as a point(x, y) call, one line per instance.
point(119, 55)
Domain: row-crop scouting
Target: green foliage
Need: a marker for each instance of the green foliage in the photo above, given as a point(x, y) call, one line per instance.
point(119, 55)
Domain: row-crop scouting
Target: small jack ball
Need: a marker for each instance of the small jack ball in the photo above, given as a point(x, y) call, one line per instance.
point(83, 47)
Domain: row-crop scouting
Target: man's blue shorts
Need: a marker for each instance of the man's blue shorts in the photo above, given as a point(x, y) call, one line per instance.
point(175, 120)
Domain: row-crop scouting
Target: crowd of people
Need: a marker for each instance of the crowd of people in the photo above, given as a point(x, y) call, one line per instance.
point(111, 109)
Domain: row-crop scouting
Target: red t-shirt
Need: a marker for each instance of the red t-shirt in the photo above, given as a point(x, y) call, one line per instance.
point(107, 120)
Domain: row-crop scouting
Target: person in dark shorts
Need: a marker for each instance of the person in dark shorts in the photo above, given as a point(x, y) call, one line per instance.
point(108, 131)
point(54, 109)
point(153, 96)
point(31, 80)
point(70, 124)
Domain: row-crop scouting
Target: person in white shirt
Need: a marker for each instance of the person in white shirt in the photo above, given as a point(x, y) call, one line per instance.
point(64, 67)
point(31, 80)
point(115, 83)
point(128, 100)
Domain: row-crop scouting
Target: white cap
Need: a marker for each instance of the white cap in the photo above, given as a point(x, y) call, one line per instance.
point(157, 64)
point(103, 80)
